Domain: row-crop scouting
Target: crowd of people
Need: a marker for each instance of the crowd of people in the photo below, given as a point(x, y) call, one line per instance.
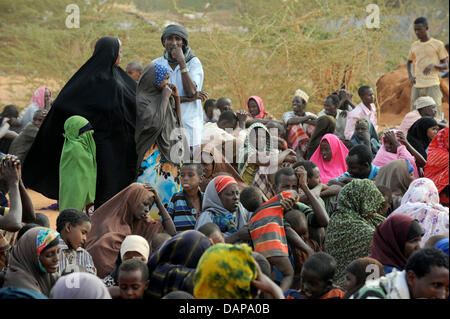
point(164, 192)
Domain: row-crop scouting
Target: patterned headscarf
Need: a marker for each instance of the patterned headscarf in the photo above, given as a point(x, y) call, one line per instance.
point(302, 94)
point(221, 182)
point(421, 202)
point(248, 148)
point(160, 73)
point(351, 227)
point(225, 272)
point(44, 237)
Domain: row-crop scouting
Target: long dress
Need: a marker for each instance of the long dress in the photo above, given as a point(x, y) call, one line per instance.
point(106, 96)
point(157, 140)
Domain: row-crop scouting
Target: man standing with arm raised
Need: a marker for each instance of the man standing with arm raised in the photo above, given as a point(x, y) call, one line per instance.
point(186, 73)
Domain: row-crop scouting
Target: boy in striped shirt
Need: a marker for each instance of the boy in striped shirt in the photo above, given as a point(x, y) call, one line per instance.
point(186, 206)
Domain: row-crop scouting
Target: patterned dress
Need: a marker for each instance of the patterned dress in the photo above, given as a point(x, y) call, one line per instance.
point(161, 174)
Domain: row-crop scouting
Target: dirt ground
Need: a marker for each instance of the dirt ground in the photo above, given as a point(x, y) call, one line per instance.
point(39, 202)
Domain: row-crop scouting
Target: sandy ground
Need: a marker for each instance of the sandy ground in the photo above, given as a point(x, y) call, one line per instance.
point(39, 202)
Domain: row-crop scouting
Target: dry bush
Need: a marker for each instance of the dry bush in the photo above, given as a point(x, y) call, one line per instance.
point(247, 47)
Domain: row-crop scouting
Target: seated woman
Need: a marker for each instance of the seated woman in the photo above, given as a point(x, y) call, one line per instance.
point(396, 176)
point(421, 202)
point(258, 151)
point(125, 214)
point(325, 125)
point(330, 157)
point(221, 206)
point(396, 146)
point(366, 134)
point(421, 133)
point(173, 265)
point(257, 112)
point(395, 240)
point(34, 261)
point(351, 227)
point(300, 124)
point(437, 166)
point(214, 162)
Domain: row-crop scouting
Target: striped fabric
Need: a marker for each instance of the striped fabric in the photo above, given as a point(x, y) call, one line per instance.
point(267, 228)
point(79, 257)
point(183, 214)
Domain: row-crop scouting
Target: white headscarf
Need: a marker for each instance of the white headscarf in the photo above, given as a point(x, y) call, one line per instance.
point(135, 243)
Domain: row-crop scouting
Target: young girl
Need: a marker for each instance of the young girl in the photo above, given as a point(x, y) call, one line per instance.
point(366, 134)
point(78, 165)
point(74, 226)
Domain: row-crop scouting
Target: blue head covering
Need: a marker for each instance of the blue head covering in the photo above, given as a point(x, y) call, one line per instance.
point(442, 245)
point(410, 167)
point(160, 73)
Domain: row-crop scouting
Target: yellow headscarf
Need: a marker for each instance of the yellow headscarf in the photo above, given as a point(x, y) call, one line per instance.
point(225, 271)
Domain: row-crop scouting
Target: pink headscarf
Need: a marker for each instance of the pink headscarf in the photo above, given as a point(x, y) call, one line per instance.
point(337, 165)
point(39, 97)
point(384, 157)
point(262, 110)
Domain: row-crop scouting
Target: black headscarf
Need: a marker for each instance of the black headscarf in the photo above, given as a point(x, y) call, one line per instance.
point(106, 96)
point(417, 134)
point(156, 122)
point(174, 29)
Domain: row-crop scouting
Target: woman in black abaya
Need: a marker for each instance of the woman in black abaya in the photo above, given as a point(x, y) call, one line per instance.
point(105, 95)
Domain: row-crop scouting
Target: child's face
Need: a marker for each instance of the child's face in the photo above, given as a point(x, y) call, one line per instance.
point(360, 129)
point(134, 74)
point(190, 180)
point(76, 236)
point(216, 238)
point(38, 120)
point(164, 82)
point(312, 285)
point(208, 164)
point(302, 228)
point(143, 209)
point(329, 107)
point(350, 281)
point(432, 132)
point(258, 138)
point(315, 179)
point(286, 183)
point(386, 205)
point(131, 285)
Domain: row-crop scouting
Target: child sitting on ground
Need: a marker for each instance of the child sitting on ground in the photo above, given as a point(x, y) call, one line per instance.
point(359, 271)
point(212, 231)
point(185, 206)
point(73, 226)
point(297, 221)
point(317, 279)
point(133, 279)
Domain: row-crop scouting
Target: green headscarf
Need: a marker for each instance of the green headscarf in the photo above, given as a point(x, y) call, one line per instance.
point(78, 166)
point(351, 228)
